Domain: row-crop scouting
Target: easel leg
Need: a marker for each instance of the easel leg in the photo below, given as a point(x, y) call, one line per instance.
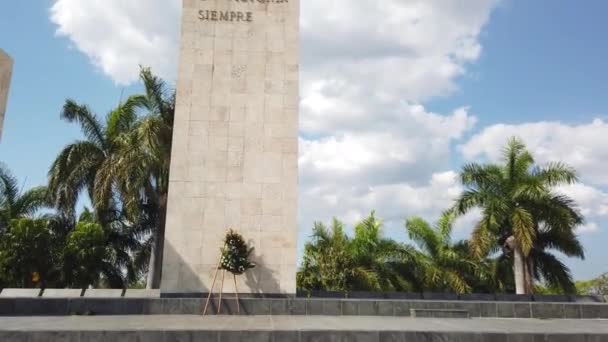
point(219, 306)
point(236, 291)
point(211, 290)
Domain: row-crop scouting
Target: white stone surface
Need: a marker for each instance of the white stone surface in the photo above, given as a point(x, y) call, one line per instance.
point(20, 293)
point(6, 69)
point(136, 293)
point(61, 293)
point(103, 293)
point(235, 144)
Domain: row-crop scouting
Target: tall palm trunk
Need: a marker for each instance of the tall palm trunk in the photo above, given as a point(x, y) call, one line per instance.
point(156, 254)
point(519, 267)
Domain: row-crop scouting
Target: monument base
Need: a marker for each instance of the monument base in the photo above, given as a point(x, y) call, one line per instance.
point(295, 329)
point(301, 307)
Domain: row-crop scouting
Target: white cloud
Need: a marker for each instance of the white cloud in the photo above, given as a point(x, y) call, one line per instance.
point(579, 145)
point(366, 143)
point(120, 35)
point(582, 146)
point(593, 204)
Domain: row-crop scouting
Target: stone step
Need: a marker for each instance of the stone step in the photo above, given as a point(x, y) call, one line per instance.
point(295, 329)
point(435, 313)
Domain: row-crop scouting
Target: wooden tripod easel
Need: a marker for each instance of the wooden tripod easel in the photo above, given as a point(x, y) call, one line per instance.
point(219, 306)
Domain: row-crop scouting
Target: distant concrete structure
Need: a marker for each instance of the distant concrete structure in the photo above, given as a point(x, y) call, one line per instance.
point(6, 70)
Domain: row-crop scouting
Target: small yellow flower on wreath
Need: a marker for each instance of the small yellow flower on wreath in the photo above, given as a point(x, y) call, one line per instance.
point(235, 254)
point(35, 277)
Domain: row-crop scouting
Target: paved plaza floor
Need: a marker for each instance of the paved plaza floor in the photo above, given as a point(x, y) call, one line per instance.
point(301, 323)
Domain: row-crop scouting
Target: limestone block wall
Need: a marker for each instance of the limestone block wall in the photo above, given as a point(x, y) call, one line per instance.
point(235, 144)
point(6, 69)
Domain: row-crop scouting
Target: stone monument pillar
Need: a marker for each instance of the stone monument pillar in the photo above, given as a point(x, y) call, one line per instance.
point(235, 144)
point(6, 69)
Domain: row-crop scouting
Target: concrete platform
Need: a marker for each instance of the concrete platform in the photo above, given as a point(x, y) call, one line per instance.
point(300, 306)
point(296, 329)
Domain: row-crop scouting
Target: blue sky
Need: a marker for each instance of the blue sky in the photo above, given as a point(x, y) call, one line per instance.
point(447, 87)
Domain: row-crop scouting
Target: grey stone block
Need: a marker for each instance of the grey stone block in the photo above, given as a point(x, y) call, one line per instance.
point(285, 336)
point(505, 310)
point(488, 309)
point(404, 295)
point(439, 296)
point(172, 306)
point(509, 297)
point(594, 311)
point(106, 336)
point(472, 307)
point(551, 298)
point(255, 306)
point(231, 307)
point(54, 336)
point(350, 308)
point(587, 299)
point(439, 313)
point(566, 338)
point(547, 310)
point(152, 307)
point(191, 306)
point(7, 307)
point(20, 293)
point(441, 337)
point(314, 307)
point(137, 293)
point(385, 308)
point(103, 293)
point(332, 307)
point(327, 294)
point(297, 306)
point(402, 308)
point(365, 295)
point(392, 336)
point(572, 311)
point(40, 307)
point(367, 308)
point(279, 307)
point(522, 310)
point(151, 336)
point(95, 306)
point(13, 336)
point(245, 336)
point(61, 293)
point(339, 336)
point(180, 336)
point(479, 297)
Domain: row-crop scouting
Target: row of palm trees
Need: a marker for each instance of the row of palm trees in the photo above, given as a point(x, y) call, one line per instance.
point(524, 220)
point(122, 165)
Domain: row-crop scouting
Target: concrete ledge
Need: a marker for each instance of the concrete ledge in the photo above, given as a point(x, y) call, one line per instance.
point(61, 293)
point(296, 329)
point(103, 293)
point(425, 313)
point(142, 293)
point(294, 307)
point(20, 293)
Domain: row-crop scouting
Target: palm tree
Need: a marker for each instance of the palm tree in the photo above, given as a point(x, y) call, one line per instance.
point(15, 204)
point(367, 262)
point(76, 168)
point(382, 263)
point(523, 215)
point(139, 170)
point(448, 265)
point(123, 164)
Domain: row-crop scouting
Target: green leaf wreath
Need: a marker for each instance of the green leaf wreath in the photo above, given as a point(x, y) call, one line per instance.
point(235, 254)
